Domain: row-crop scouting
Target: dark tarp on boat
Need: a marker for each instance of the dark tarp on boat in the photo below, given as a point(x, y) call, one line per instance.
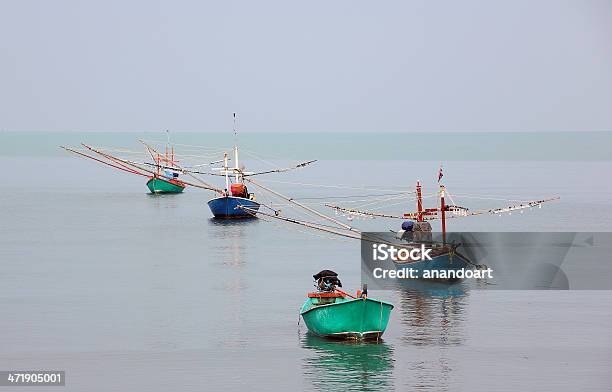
point(329, 277)
point(407, 225)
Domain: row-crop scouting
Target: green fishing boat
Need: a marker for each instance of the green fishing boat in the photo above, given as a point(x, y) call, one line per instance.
point(165, 179)
point(161, 185)
point(162, 175)
point(332, 313)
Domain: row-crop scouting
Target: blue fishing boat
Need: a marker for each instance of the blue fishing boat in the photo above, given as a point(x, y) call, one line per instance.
point(231, 207)
point(444, 255)
point(235, 201)
point(444, 259)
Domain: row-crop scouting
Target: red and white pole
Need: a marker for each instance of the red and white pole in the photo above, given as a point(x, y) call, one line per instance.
point(442, 208)
point(419, 202)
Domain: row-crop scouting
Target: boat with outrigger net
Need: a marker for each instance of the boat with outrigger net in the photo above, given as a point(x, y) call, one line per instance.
point(446, 258)
point(164, 170)
point(332, 313)
point(165, 179)
point(228, 205)
point(235, 201)
point(416, 231)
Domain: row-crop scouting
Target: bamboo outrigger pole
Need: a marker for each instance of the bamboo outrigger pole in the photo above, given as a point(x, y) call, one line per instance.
point(303, 206)
point(135, 165)
point(129, 170)
point(303, 223)
point(356, 236)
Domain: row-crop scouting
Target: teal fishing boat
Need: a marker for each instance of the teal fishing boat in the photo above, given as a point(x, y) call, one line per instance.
point(162, 174)
point(332, 313)
point(159, 184)
point(165, 179)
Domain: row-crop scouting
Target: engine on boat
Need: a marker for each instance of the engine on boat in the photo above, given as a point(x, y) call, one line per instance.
point(327, 281)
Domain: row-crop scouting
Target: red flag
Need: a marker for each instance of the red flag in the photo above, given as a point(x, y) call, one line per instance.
point(440, 175)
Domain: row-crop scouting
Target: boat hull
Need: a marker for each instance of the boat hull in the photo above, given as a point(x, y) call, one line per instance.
point(347, 318)
point(226, 207)
point(444, 262)
point(159, 185)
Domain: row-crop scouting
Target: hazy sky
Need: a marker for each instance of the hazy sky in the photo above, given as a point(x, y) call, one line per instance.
point(308, 65)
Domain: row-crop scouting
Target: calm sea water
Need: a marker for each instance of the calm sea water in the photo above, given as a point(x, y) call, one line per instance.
point(128, 291)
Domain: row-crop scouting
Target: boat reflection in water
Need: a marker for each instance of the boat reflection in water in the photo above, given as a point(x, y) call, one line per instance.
point(433, 313)
point(433, 318)
point(230, 245)
point(347, 365)
point(227, 256)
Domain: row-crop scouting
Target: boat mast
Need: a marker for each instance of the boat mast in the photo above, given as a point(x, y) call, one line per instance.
point(236, 167)
point(169, 150)
point(167, 143)
point(442, 208)
point(419, 202)
point(158, 164)
point(225, 170)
